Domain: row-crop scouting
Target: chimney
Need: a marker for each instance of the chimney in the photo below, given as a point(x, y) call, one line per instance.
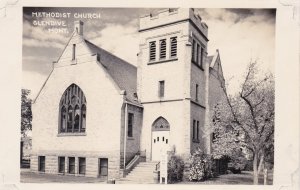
point(78, 27)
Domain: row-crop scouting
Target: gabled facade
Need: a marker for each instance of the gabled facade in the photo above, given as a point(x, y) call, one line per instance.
point(96, 109)
point(81, 108)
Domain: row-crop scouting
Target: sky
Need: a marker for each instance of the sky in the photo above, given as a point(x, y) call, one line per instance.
point(240, 35)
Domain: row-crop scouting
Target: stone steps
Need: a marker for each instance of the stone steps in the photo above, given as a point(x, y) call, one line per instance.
point(141, 174)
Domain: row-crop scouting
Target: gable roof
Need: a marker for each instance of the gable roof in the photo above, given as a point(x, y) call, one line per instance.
point(209, 59)
point(123, 73)
point(215, 65)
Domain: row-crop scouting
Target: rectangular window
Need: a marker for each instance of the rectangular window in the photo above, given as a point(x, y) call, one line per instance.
point(201, 58)
point(103, 166)
point(194, 127)
point(163, 49)
point(42, 163)
point(130, 125)
point(193, 51)
point(61, 164)
point(173, 48)
point(161, 89)
point(152, 52)
point(197, 89)
point(197, 133)
point(82, 165)
point(71, 165)
point(197, 54)
point(74, 52)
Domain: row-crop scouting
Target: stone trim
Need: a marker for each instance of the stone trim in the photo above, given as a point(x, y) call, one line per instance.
point(177, 22)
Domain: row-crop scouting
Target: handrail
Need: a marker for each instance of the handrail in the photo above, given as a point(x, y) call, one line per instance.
point(157, 166)
point(132, 162)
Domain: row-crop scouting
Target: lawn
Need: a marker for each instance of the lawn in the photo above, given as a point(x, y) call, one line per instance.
point(245, 178)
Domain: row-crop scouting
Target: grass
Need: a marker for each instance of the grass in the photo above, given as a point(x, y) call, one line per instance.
point(245, 178)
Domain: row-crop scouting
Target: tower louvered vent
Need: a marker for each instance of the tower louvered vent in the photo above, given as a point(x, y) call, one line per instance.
point(173, 47)
point(163, 49)
point(152, 51)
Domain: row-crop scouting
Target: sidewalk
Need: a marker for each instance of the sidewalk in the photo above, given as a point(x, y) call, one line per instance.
point(29, 177)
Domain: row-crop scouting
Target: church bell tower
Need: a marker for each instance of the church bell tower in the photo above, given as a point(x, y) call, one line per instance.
point(171, 79)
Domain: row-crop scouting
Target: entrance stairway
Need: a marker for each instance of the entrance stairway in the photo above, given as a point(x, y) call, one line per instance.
point(141, 174)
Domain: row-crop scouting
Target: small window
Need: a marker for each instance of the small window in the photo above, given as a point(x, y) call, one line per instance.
point(201, 57)
point(42, 163)
point(197, 87)
point(71, 165)
point(197, 54)
point(157, 139)
point(154, 140)
point(194, 129)
point(152, 53)
point(130, 125)
point(163, 49)
point(103, 166)
point(98, 57)
point(163, 139)
point(161, 88)
point(82, 165)
point(193, 50)
point(197, 132)
point(173, 47)
point(166, 141)
point(74, 52)
point(61, 164)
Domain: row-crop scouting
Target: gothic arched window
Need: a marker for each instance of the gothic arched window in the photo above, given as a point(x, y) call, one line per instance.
point(72, 116)
point(160, 124)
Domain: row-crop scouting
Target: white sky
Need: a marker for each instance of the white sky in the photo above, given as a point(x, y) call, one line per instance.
point(239, 34)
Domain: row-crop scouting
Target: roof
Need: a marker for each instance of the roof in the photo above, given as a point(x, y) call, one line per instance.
point(215, 65)
point(123, 73)
point(209, 59)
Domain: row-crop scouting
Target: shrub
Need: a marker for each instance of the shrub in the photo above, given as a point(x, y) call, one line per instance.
point(202, 166)
point(249, 165)
point(175, 169)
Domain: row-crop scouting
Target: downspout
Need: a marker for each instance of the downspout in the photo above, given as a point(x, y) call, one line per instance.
point(207, 108)
point(125, 138)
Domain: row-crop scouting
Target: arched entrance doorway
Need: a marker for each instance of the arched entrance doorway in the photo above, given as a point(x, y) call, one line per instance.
point(160, 137)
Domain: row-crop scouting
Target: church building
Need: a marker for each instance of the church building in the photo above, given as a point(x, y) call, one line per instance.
point(97, 114)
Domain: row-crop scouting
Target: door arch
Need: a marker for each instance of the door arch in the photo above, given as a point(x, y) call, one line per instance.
point(160, 137)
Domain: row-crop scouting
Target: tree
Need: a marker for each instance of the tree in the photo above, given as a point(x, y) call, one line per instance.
point(246, 120)
point(26, 114)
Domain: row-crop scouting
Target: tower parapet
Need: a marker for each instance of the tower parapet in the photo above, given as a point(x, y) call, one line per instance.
point(172, 16)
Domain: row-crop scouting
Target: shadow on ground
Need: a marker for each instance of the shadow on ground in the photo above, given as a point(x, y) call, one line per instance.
point(245, 178)
point(29, 177)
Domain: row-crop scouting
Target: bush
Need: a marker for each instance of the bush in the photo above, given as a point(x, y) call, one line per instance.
point(238, 161)
point(202, 166)
point(175, 169)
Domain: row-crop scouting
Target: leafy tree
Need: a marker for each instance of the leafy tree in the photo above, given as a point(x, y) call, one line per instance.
point(246, 120)
point(26, 114)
